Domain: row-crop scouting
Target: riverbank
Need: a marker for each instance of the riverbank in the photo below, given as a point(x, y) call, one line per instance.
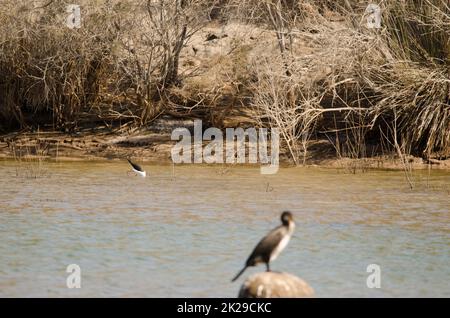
point(154, 146)
point(334, 87)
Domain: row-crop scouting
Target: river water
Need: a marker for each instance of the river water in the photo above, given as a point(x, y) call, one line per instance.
point(185, 231)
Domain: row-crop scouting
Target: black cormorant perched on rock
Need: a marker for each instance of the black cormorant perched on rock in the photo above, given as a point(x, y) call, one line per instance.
point(272, 244)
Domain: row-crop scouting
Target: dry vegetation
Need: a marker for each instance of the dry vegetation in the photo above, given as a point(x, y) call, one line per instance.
point(310, 68)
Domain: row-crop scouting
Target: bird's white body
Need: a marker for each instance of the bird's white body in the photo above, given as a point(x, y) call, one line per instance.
point(140, 173)
point(283, 243)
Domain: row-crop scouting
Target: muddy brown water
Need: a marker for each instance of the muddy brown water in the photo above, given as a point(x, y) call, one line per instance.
point(185, 232)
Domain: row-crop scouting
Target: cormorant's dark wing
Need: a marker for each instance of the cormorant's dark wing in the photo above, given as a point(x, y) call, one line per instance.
point(264, 248)
point(135, 165)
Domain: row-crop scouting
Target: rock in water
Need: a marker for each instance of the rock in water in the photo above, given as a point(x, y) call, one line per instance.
point(273, 285)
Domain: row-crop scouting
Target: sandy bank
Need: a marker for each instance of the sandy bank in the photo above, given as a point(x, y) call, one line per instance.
point(154, 146)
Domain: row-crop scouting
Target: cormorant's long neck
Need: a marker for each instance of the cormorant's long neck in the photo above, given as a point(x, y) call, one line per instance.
point(290, 226)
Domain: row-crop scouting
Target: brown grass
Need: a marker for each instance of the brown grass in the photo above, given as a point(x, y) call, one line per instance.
point(314, 70)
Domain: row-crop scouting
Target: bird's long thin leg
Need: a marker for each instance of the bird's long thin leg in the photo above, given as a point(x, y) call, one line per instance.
point(268, 267)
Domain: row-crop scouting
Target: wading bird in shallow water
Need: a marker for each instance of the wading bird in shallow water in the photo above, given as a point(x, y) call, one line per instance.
point(272, 244)
point(137, 168)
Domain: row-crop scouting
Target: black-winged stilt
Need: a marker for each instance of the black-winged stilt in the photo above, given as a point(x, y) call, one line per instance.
point(272, 244)
point(137, 168)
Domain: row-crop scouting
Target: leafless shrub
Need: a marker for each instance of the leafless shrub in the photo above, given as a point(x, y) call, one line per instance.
point(281, 101)
point(315, 69)
point(357, 79)
point(116, 66)
point(30, 159)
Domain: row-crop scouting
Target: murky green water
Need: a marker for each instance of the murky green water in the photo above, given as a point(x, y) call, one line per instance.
point(187, 234)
